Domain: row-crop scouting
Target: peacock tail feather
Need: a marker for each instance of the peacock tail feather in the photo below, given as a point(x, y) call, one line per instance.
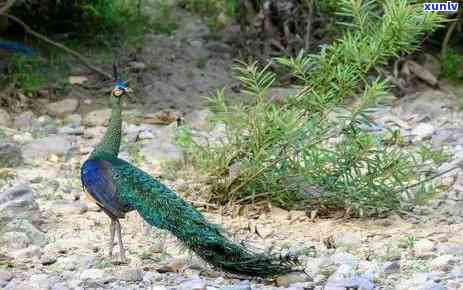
point(163, 208)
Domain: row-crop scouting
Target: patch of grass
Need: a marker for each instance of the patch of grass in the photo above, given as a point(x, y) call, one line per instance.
point(103, 264)
point(165, 21)
point(135, 155)
point(425, 193)
point(217, 12)
point(408, 242)
point(31, 73)
point(394, 137)
point(27, 73)
point(437, 156)
point(452, 65)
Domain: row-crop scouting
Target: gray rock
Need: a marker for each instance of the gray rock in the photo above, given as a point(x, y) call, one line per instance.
point(65, 207)
point(158, 288)
point(23, 137)
point(429, 103)
point(356, 282)
point(24, 120)
point(5, 119)
point(48, 260)
point(340, 258)
point(146, 135)
point(391, 267)
point(423, 131)
point(431, 285)
point(443, 263)
point(219, 47)
point(43, 280)
point(18, 203)
point(27, 286)
point(71, 130)
point(36, 237)
point(160, 149)
point(193, 284)
point(44, 125)
point(42, 148)
point(242, 286)
point(342, 273)
point(97, 118)
point(27, 253)
point(60, 286)
point(92, 274)
point(348, 240)
point(137, 66)
point(431, 63)
point(62, 108)
point(69, 263)
point(10, 154)
point(130, 275)
point(16, 240)
point(423, 248)
point(5, 277)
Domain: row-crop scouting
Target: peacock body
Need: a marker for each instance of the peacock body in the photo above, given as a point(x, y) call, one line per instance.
point(119, 187)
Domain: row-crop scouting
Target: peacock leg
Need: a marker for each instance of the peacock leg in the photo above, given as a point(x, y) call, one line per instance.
point(112, 230)
point(119, 239)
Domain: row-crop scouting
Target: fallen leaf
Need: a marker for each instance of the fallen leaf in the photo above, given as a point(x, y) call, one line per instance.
point(165, 117)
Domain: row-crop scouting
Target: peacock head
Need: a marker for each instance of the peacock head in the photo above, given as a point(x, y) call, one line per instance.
point(120, 89)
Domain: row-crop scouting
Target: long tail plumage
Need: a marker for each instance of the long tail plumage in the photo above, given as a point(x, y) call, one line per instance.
point(162, 208)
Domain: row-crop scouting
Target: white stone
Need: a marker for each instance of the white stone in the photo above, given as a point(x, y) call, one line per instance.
point(423, 131)
point(92, 274)
point(423, 248)
point(443, 263)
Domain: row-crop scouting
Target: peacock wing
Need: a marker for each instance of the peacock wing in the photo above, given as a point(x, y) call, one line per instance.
point(97, 178)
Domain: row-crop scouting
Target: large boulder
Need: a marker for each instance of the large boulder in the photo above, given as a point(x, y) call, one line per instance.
point(43, 148)
point(18, 203)
point(62, 108)
point(10, 154)
point(19, 218)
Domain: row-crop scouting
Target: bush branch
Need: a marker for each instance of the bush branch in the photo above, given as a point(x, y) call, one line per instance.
point(45, 39)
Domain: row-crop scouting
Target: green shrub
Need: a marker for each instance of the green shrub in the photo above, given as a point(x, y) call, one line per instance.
point(78, 16)
point(215, 11)
point(26, 74)
point(309, 150)
point(452, 65)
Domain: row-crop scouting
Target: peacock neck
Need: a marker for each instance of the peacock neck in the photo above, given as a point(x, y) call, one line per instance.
point(111, 141)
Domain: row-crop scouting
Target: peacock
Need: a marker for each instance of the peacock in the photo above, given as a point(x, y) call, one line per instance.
point(119, 187)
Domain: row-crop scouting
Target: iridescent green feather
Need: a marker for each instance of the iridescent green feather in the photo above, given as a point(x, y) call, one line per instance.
point(163, 208)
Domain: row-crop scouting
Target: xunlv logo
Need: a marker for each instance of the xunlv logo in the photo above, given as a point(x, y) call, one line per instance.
point(449, 6)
